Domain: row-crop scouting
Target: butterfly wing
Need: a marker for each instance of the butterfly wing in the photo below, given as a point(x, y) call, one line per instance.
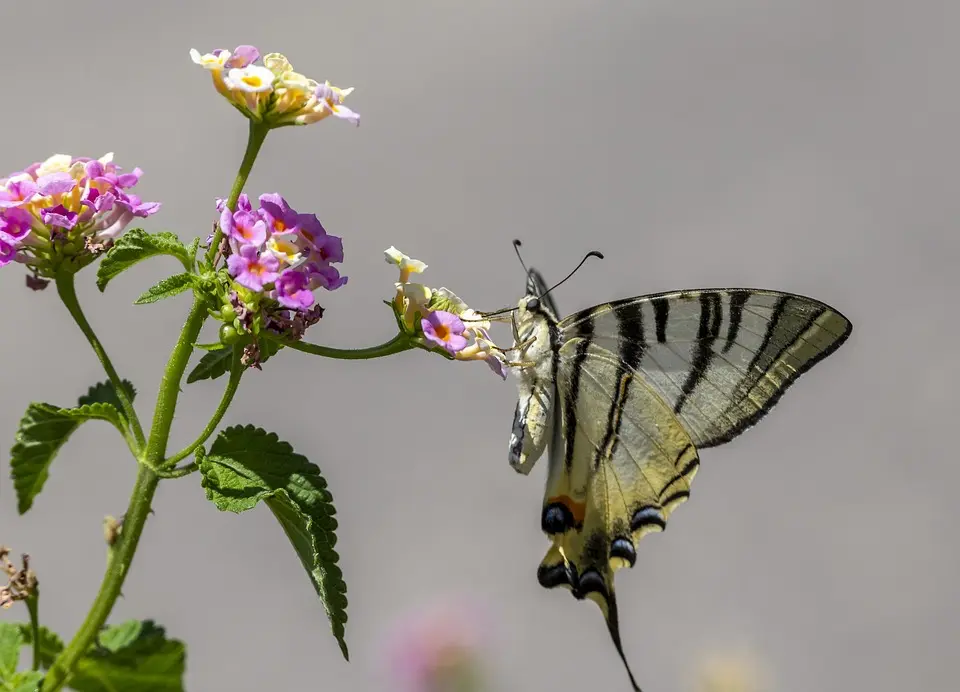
point(619, 467)
point(641, 384)
point(720, 358)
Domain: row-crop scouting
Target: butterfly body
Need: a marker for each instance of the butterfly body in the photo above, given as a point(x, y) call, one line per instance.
point(625, 393)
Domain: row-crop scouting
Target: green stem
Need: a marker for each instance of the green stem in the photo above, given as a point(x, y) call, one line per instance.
point(68, 294)
point(122, 552)
point(117, 567)
point(255, 137)
point(33, 608)
point(398, 344)
point(181, 471)
point(236, 372)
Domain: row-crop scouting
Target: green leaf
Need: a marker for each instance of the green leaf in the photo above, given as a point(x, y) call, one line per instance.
point(132, 656)
point(136, 245)
point(211, 366)
point(50, 643)
point(192, 252)
point(214, 346)
point(104, 393)
point(247, 465)
point(10, 643)
point(166, 288)
point(27, 681)
point(45, 428)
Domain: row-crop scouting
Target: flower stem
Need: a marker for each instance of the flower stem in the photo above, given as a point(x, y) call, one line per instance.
point(122, 552)
point(68, 294)
point(255, 137)
point(33, 608)
point(236, 371)
point(398, 344)
point(118, 565)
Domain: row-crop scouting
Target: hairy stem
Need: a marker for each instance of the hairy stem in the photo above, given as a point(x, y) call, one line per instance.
point(236, 371)
point(255, 137)
point(68, 294)
point(33, 608)
point(122, 552)
point(398, 344)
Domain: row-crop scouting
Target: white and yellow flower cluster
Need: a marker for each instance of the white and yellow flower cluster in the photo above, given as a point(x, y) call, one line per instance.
point(272, 93)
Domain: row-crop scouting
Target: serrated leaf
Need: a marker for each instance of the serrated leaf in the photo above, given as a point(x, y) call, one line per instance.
point(166, 288)
point(45, 428)
point(211, 366)
point(247, 465)
point(104, 393)
point(192, 251)
point(135, 246)
point(50, 643)
point(10, 643)
point(132, 656)
point(27, 681)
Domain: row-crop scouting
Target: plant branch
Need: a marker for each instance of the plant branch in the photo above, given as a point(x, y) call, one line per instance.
point(236, 372)
point(122, 552)
point(33, 608)
point(255, 137)
point(66, 288)
point(399, 343)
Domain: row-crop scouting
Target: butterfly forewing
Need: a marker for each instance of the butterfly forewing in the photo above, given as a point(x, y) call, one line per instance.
point(720, 358)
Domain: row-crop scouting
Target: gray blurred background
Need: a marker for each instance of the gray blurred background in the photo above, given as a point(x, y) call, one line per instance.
point(807, 146)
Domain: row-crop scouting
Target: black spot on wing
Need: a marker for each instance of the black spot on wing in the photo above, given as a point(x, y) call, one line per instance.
point(623, 548)
point(551, 576)
point(647, 516)
point(557, 518)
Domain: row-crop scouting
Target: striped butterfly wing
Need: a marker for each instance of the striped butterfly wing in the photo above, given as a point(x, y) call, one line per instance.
point(641, 384)
point(720, 358)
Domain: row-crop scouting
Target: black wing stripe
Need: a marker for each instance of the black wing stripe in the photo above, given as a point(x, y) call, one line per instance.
point(737, 301)
point(711, 315)
point(585, 333)
point(661, 314)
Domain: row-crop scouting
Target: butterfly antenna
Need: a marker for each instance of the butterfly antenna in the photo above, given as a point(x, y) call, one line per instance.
point(592, 253)
point(516, 249)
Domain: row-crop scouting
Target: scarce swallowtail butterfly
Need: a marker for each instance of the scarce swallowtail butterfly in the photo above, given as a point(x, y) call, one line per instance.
point(625, 393)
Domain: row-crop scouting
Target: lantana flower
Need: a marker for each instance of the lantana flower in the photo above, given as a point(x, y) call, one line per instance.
point(66, 207)
point(272, 93)
point(439, 318)
point(276, 258)
point(439, 649)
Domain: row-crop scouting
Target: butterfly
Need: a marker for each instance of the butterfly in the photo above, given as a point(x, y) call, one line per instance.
point(624, 394)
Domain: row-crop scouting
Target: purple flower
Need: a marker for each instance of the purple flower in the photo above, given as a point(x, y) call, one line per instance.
point(497, 366)
point(251, 269)
point(293, 290)
point(244, 226)
point(325, 276)
point(328, 248)
point(8, 249)
point(55, 184)
point(444, 329)
point(59, 216)
point(242, 56)
point(17, 193)
point(15, 223)
point(310, 228)
point(278, 215)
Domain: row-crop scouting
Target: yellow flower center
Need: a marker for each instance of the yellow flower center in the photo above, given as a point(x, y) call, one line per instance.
point(442, 332)
point(252, 80)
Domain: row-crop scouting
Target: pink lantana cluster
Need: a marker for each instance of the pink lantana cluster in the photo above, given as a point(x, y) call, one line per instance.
point(439, 318)
point(66, 206)
point(280, 253)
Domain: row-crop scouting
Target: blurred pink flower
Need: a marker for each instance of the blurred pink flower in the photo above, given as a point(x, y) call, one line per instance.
point(438, 649)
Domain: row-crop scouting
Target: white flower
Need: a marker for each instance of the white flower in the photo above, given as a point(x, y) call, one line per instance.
point(252, 79)
point(407, 265)
point(210, 61)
